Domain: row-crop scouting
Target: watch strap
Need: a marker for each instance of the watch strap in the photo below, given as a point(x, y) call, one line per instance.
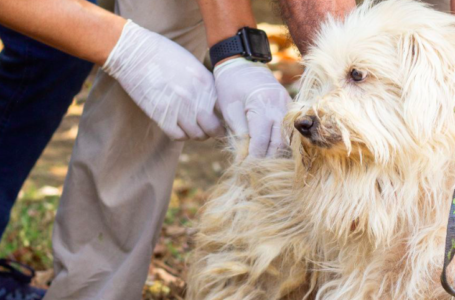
point(226, 48)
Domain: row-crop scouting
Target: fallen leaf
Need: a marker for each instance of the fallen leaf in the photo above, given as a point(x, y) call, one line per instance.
point(173, 231)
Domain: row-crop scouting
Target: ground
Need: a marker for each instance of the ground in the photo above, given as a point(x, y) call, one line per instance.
point(28, 236)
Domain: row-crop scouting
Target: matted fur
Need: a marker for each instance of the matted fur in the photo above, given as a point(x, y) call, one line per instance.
point(360, 211)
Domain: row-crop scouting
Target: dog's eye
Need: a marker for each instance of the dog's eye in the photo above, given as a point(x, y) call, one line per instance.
point(357, 75)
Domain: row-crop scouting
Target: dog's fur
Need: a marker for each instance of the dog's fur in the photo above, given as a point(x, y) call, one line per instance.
point(360, 212)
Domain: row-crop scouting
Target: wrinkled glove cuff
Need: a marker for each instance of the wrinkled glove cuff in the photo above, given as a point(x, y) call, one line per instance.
point(234, 63)
point(123, 56)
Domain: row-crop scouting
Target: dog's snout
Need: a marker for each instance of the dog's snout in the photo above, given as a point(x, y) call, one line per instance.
point(304, 125)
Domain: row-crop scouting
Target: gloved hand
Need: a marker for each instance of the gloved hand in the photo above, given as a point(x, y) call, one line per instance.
point(253, 103)
point(167, 82)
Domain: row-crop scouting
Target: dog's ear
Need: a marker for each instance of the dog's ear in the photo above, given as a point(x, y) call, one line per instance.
point(426, 59)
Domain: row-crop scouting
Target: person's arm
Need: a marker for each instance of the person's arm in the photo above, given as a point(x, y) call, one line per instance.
point(252, 101)
point(303, 17)
point(77, 27)
point(223, 18)
point(165, 80)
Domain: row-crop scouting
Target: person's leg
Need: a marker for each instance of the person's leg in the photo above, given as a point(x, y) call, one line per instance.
point(37, 84)
point(120, 177)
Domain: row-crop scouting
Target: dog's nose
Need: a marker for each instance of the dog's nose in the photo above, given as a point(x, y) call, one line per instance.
point(303, 125)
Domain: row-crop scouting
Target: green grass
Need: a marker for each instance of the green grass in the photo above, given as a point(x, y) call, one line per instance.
point(29, 233)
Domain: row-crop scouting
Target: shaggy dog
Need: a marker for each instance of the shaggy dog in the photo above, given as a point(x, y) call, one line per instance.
point(360, 211)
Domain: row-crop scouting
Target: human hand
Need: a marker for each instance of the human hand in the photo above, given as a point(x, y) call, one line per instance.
point(253, 104)
point(167, 82)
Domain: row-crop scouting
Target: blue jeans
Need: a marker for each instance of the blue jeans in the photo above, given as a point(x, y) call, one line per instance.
point(37, 84)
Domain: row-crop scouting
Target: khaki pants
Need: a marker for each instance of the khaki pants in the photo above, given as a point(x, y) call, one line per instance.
point(120, 176)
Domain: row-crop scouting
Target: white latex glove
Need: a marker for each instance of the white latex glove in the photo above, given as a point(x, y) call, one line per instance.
point(253, 103)
point(167, 82)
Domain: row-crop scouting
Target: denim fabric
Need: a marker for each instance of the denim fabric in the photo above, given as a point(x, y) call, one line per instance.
point(37, 84)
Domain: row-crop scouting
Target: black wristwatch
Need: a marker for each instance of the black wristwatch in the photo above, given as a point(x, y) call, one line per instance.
point(251, 43)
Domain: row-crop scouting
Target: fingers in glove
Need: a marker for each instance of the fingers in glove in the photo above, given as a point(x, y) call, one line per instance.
point(186, 115)
point(175, 133)
point(234, 115)
point(260, 134)
point(206, 118)
point(192, 130)
point(276, 141)
point(211, 125)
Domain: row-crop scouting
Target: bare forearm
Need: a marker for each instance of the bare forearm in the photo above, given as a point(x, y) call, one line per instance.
point(303, 17)
point(223, 18)
point(73, 26)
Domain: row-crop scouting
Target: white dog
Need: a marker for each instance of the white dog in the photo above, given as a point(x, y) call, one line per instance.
point(360, 212)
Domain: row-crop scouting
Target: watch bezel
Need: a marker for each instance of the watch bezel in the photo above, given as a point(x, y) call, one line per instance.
point(249, 54)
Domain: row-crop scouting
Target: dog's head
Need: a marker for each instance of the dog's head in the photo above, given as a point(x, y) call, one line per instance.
point(378, 86)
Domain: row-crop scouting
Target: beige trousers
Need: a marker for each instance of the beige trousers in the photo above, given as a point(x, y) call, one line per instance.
point(120, 176)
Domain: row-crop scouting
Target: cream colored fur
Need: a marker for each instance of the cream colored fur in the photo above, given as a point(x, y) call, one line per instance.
point(364, 215)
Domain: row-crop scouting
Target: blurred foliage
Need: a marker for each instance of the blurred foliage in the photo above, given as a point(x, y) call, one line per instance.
point(28, 235)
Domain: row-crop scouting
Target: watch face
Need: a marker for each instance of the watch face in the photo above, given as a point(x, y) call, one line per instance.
point(256, 44)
